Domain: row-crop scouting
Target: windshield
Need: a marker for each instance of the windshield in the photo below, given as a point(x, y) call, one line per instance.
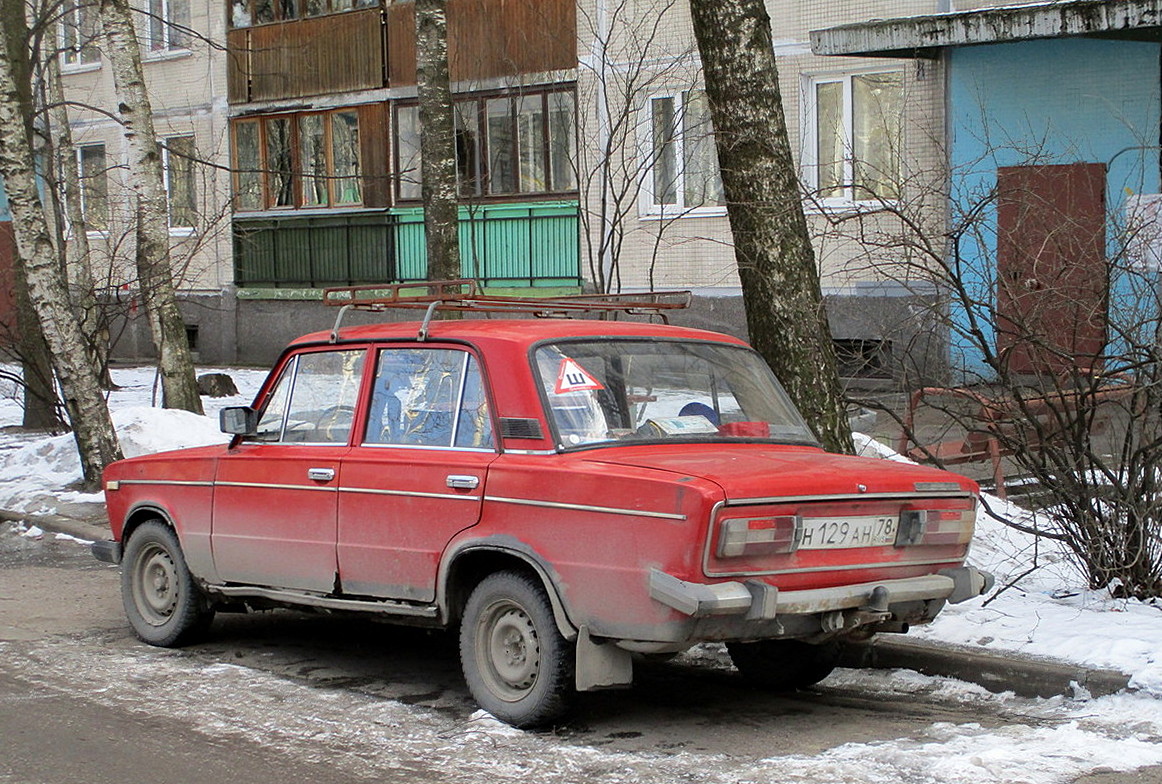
point(636, 390)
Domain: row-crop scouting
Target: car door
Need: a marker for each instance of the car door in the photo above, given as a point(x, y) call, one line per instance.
point(416, 476)
point(276, 494)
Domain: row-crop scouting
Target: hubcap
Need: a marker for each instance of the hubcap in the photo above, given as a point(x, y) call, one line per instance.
point(155, 585)
point(508, 651)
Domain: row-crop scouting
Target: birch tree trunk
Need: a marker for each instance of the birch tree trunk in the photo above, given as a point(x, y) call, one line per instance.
point(154, 270)
point(47, 291)
point(74, 241)
point(41, 407)
point(437, 141)
point(776, 263)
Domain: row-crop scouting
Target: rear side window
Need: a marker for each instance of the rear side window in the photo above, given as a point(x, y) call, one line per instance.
point(428, 397)
point(314, 399)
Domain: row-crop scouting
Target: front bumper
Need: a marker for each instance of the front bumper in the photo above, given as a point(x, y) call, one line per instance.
point(756, 600)
point(107, 551)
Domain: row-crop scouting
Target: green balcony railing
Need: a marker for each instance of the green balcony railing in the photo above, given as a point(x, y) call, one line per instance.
point(500, 245)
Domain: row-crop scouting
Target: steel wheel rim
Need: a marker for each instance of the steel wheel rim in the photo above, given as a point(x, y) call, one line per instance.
point(508, 650)
point(155, 584)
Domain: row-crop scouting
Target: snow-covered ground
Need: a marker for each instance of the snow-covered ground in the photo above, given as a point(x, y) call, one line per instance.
point(1047, 612)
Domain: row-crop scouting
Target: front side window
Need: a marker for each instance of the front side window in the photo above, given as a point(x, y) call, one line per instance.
point(625, 391)
point(178, 156)
point(428, 397)
point(314, 399)
point(169, 24)
point(78, 33)
point(94, 186)
point(683, 161)
point(852, 136)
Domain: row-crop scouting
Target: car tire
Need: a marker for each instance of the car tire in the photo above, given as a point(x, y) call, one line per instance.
point(784, 665)
point(164, 605)
point(517, 665)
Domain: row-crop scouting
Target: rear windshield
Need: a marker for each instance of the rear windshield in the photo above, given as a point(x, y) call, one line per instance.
point(635, 390)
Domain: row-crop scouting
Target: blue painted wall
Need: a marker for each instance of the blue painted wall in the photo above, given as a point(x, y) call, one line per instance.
point(4, 214)
point(1050, 102)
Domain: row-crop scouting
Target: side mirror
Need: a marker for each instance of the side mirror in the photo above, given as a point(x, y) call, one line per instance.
point(238, 421)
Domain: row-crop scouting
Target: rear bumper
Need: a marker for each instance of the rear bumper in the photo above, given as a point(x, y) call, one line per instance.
point(756, 600)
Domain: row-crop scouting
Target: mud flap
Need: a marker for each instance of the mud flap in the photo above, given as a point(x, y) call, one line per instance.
point(601, 665)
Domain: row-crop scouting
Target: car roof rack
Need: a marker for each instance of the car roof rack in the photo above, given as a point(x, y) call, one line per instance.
point(465, 296)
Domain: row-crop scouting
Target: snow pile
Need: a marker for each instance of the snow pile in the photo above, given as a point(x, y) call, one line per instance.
point(36, 469)
point(1042, 605)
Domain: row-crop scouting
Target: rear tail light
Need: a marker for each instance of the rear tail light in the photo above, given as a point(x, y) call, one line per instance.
point(757, 536)
point(936, 526)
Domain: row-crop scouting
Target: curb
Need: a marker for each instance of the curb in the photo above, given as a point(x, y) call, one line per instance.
point(1026, 676)
point(91, 529)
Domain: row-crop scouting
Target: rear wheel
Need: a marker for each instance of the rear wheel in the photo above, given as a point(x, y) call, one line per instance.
point(163, 603)
point(517, 665)
point(784, 665)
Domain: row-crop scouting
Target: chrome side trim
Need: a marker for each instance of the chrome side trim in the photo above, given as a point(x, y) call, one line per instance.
point(585, 508)
point(802, 499)
point(386, 606)
point(272, 486)
point(431, 447)
point(182, 483)
point(408, 493)
point(508, 451)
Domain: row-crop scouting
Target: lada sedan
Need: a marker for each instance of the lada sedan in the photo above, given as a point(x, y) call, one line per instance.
point(567, 494)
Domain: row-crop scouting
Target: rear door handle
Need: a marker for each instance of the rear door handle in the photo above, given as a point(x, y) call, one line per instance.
point(462, 481)
point(321, 474)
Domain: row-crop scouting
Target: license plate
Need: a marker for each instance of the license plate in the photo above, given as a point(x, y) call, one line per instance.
point(835, 533)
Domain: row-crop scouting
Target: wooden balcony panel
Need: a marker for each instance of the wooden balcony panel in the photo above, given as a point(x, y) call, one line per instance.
point(490, 38)
point(307, 57)
point(238, 65)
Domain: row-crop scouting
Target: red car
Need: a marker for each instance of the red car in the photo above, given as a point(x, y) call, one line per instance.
point(567, 493)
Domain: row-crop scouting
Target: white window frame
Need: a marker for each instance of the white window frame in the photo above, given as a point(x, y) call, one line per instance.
point(809, 148)
point(71, 57)
point(167, 49)
point(175, 231)
point(78, 153)
point(648, 206)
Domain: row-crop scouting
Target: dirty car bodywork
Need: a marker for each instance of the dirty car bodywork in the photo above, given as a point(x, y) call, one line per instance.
point(566, 493)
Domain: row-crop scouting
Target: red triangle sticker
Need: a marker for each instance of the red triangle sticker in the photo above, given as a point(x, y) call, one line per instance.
point(571, 377)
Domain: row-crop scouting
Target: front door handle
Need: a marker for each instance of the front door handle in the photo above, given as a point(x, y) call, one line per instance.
point(321, 474)
point(462, 481)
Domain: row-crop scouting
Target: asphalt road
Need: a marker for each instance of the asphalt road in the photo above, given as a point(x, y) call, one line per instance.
point(280, 697)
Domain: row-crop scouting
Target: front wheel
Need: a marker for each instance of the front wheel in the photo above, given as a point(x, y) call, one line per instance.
point(784, 665)
point(163, 603)
point(517, 665)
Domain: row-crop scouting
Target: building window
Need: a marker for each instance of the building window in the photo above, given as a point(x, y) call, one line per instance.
point(78, 34)
point(852, 137)
point(683, 172)
point(178, 156)
point(169, 24)
point(247, 166)
point(94, 186)
point(244, 13)
point(304, 160)
point(505, 145)
point(407, 152)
